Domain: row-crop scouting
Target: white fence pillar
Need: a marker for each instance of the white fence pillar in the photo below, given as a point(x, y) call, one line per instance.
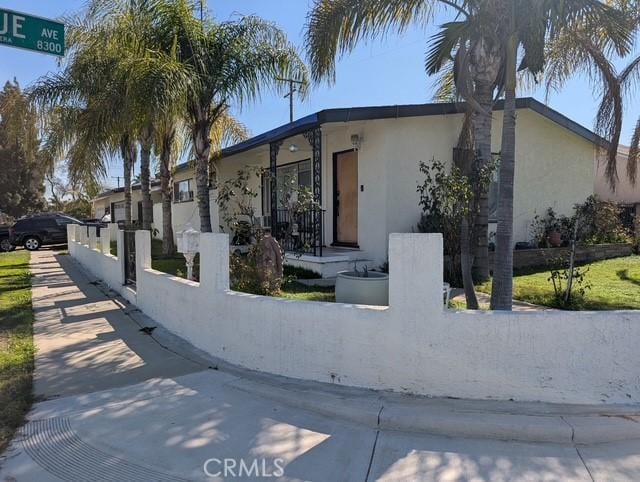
point(415, 273)
point(113, 230)
point(71, 238)
point(71, 232)
point(105, 240)
point(214, 261)
point(92, 237)
point(143, 251)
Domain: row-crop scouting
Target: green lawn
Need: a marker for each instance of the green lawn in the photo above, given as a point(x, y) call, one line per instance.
point(297, 291)
point(16, 343)
point(615, 285)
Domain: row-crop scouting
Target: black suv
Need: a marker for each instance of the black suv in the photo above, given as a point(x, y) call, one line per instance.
point(35, 231)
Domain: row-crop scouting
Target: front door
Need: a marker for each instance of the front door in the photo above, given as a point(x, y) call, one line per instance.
point(345, 209)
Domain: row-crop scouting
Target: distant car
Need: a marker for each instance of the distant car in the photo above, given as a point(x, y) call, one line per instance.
point(5, 242)
point(39, 230)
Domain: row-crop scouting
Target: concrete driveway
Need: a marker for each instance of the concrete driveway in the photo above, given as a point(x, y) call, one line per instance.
point(118, 404)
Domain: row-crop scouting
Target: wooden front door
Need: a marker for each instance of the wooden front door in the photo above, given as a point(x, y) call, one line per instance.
point(345, 172)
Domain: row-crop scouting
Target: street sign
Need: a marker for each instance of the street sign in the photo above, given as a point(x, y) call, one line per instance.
point(32, 33)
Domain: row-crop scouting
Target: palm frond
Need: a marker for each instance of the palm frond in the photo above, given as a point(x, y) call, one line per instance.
point(634, 154)
point(335, 27)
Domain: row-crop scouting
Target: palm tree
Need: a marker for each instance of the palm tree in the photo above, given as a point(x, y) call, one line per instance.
point(119, 80)
point(466, 50)
point(232, 62)
point(484, 40)
point(585, 50)
point(527, 27)
point(84, 103)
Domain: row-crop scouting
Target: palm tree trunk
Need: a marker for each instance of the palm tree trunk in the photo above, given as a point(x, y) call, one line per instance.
point(166, 186)
point(502, 288)
point(146, 140)
point(128, 151)
point(466, 262)
point(466, 164)
point(202, 146)
point(482, 136)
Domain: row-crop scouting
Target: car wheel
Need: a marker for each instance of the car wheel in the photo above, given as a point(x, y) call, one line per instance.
point(32, 243)
point(5, 245)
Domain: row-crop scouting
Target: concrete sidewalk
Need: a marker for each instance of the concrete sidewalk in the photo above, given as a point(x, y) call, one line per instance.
point(122, 405)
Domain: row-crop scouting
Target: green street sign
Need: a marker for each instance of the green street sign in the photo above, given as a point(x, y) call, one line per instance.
point(32, 33)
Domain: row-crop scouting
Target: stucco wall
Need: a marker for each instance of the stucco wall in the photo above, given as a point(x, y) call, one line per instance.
point(554, 168)
point(625, 192)
point(414, 345)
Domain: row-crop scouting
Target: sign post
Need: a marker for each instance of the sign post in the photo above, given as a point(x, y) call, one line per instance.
point(32, 33)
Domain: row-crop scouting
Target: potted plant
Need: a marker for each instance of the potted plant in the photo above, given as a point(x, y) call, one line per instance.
point(362, 287)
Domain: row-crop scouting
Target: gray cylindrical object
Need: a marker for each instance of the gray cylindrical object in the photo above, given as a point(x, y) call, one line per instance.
point(370, 290)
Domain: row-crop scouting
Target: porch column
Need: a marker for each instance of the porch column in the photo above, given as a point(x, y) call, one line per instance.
point(274, 148)
point(314, 137)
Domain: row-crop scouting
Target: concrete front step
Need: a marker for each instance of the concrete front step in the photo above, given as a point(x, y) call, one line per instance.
point(330, 266)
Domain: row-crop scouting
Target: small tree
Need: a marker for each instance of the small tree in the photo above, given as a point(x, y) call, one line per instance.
point(450, 205)
point(260, 270)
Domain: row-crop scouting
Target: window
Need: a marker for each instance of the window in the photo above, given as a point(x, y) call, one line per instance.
point(296, 173)
point(182, 191)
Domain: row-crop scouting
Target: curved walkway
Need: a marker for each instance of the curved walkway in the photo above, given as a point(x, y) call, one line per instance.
point(119, 404)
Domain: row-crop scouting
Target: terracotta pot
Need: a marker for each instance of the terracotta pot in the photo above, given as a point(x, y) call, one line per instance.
point(555, 239)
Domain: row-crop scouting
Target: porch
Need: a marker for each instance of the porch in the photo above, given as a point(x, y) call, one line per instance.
point(331, 262)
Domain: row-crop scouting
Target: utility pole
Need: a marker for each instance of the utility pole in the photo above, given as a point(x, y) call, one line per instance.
point(294, 86)
point(118, 178)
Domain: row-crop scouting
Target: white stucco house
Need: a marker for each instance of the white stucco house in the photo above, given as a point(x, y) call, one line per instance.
point(362, 165)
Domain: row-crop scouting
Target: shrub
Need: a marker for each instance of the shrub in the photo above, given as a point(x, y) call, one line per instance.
point(570, 283)
point(601, 222)
point(543, 225)
point(247, 274)
point(447, 199)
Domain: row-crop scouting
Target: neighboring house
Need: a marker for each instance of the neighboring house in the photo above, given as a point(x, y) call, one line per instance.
point(626, 193)
point(362, 165)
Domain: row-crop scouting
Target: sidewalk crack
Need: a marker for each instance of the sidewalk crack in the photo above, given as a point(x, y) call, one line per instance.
point(375, 443)
point(573, 436)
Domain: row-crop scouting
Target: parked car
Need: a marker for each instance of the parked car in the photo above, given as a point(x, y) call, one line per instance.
point(39, 230)
point(5, 242)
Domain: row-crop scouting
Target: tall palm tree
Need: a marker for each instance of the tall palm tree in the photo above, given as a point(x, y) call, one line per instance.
point(119, 81)
point(491, 31)
point(586, 51)
point(232, 63)
point(85, 101)
point(526, 28)
point(468, 51)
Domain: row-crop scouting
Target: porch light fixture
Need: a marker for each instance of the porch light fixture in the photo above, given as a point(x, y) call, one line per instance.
point(293, 148)
point(189, 245)
point(356, 140)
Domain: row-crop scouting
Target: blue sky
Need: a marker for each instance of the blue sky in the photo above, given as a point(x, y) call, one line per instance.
point(378, 73)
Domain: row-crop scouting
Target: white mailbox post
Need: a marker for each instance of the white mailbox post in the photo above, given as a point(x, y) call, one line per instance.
point(189, 246)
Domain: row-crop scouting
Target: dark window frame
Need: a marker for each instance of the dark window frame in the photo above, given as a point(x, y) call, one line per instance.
point(177, 198)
